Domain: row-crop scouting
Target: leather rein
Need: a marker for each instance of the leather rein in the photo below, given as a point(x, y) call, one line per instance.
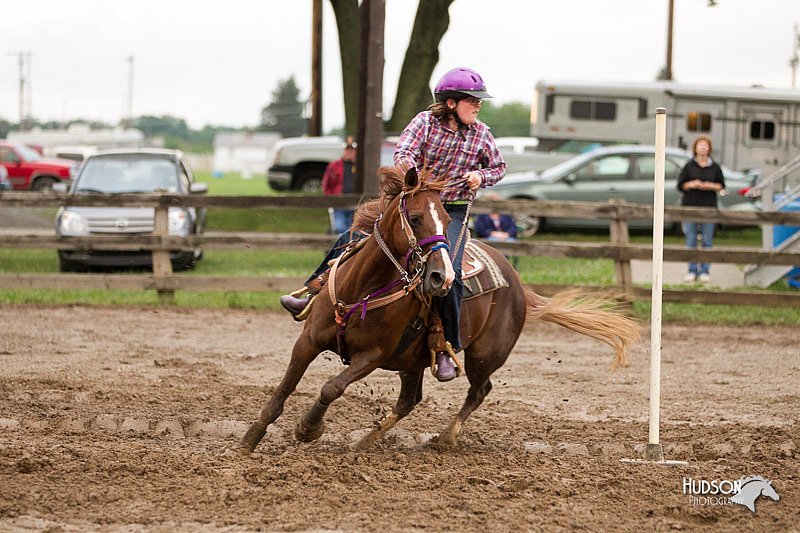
point(415, 260)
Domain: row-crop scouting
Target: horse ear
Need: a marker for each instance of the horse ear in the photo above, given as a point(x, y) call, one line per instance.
point(411, 177)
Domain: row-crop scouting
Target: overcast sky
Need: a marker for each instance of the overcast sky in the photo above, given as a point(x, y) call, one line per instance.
point(218, 61)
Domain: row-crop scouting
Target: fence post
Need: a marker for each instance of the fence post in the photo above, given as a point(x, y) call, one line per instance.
point(162, 266)
point(620, 236)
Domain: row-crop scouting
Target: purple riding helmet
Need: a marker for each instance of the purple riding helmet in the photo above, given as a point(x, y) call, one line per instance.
point(460, 83)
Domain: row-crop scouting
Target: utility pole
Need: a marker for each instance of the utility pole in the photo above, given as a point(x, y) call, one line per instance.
point(370, 109)
point(315, 121)
point(795, 60)
point(670, 17)
point(129, 111)
point(25, 93)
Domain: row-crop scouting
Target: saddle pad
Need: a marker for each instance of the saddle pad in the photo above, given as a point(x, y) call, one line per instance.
point(479, 272)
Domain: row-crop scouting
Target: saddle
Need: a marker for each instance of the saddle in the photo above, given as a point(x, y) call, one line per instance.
point(479, 272)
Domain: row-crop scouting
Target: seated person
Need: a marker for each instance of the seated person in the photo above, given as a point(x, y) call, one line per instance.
point(496, 227)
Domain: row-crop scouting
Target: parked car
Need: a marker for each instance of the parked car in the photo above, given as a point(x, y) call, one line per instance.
point(28, 170)
point(5, 183)
point(602, 174)
point(125, 172)
point(298, 163)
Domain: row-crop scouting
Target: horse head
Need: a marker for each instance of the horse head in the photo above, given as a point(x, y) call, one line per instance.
point(413, 226)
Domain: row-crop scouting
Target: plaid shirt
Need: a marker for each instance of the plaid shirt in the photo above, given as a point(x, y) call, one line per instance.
point(428, 143)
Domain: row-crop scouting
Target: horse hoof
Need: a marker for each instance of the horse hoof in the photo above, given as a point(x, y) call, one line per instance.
point(305, 434)
point(243, 450)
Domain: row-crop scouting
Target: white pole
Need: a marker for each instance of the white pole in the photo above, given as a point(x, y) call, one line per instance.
point(654, 451)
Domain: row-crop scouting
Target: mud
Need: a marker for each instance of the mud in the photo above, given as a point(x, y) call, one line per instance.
point(124, 419)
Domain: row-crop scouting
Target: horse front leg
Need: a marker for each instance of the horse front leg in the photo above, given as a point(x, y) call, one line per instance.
point(410, 396)
point(311, 425)
point(475, 396)
point(303, 354)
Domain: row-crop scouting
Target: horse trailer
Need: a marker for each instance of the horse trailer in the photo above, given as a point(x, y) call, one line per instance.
point(750, 128)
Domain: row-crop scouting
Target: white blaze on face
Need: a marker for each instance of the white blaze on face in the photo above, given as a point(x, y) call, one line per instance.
point(449, 273)
point(436, 219)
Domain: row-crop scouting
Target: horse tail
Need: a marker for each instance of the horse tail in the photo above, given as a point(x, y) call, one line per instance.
point(598, 317)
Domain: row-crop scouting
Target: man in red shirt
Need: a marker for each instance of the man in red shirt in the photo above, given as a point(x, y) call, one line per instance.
point(339, 179)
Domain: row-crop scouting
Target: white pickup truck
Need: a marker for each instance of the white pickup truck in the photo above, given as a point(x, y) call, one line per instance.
point(298, 163)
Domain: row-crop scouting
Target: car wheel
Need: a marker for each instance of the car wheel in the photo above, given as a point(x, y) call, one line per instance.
point(43, 184)
point(528, 225)
point(310, 183)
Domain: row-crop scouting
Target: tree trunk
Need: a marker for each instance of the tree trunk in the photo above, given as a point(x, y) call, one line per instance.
point(348, 24)
point(422, 55)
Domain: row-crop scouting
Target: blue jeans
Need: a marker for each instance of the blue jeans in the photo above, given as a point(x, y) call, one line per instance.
point(449, 306)
point(342, 220)
point(706, 229)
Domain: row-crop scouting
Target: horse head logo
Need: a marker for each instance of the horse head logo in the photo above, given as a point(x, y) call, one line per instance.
point(751, 488)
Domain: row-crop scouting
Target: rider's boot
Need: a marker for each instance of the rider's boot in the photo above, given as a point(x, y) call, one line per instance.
point(442, 356)
point(298, 303)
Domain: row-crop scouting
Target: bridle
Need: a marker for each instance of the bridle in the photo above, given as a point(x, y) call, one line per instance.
point(415, 259)
point(415, 256)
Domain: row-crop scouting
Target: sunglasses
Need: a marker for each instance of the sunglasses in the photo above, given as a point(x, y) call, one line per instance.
point(473, 101)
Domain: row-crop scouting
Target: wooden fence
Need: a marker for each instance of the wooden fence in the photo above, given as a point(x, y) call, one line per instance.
point(163, 280)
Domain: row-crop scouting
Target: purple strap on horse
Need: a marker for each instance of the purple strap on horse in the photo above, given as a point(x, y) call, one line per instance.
point(441, 239)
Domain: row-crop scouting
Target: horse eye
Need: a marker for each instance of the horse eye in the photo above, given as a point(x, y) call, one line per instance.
point(415, 220)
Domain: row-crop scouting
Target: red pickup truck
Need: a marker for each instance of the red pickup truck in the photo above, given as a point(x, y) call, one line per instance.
point(28, 170)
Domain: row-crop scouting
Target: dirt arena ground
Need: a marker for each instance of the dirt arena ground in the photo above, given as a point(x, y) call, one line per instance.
point(123, 419)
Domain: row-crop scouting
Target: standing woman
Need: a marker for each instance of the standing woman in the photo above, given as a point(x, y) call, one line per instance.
point(450, 142)
point(700, 180)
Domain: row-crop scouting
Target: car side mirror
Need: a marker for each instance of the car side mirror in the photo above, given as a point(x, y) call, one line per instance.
point(571, 178)
point(198, 188)
point(60, 187)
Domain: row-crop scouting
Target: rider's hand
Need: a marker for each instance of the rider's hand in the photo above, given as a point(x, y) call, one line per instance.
point(473, 179)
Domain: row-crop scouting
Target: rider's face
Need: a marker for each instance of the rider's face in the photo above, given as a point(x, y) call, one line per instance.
point(468, 109)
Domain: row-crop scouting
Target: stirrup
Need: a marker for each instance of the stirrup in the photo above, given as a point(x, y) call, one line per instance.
point(302, 291)
point(302, 315)
point(449, 349)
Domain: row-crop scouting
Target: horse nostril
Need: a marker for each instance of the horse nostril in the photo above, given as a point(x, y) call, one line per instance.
point(436, 279)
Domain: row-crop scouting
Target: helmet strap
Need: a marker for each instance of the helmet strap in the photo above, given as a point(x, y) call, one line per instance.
point(460, 126)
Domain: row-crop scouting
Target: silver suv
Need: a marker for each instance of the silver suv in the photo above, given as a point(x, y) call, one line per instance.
point(125, 172)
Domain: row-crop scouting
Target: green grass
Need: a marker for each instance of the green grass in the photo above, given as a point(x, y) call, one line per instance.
point(233, 184)
point(545, 270)
point(264, 220)
point(262, 263)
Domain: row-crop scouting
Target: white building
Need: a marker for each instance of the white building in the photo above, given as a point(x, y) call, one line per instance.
point(79, 135)
point(247, 153)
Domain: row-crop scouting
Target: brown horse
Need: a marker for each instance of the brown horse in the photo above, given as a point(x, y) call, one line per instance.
point(403, 263)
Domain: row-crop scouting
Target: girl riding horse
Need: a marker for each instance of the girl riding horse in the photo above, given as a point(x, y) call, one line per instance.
point(450, 143)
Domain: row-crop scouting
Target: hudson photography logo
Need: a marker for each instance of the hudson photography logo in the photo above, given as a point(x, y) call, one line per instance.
point(744, 491)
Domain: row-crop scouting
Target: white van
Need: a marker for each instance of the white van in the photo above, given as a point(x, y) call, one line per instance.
point(750, 127)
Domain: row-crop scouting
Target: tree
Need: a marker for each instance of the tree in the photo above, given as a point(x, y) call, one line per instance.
point(285, 113)
point(165, 126)
point(508, 120)
point(422, 55)
point(413, 90)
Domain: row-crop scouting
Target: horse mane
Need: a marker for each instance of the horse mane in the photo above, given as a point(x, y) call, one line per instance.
point(392, 181)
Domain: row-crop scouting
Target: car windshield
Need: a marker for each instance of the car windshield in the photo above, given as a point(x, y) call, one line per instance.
point(128, 174)
point(27, 153)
